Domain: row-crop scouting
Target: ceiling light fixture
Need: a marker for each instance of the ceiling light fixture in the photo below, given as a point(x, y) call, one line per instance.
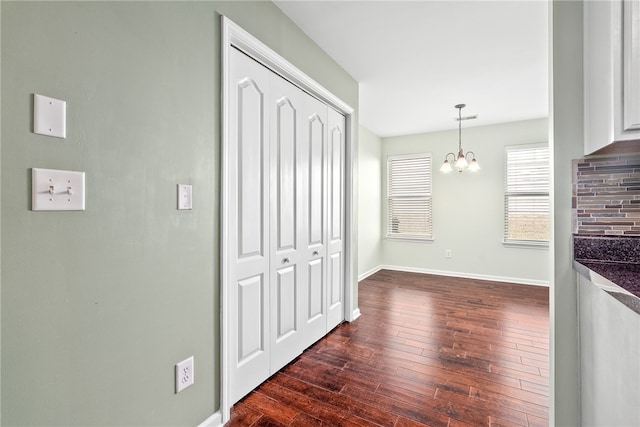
point(461, 162)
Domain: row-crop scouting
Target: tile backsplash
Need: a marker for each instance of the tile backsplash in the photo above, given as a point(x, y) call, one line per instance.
point(606, 196)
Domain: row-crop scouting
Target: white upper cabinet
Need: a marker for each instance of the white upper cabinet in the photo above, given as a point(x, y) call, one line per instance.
point(611, 73)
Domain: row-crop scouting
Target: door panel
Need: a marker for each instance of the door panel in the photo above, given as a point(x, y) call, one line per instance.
point(285, 169)
point(335, 280)
point(286, 304)
point(315, 300)
point(315, 315)
point(336, 182)
point(250, 319)
point(316, 143)
point(287, 339)
point(313, 141)
point(250, 168)
point(248, 193)
point(335, 285)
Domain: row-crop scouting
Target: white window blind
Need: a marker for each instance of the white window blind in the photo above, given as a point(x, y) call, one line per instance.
point(527, 194)
point(409, 196)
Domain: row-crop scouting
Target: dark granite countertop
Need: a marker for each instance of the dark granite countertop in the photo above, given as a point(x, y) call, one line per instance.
point(611, 263)
point(627, 276)
point(621, 281)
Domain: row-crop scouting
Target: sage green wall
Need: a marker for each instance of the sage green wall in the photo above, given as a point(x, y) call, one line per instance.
point(369, 202)
point(566, 123)
point(468, 208)
point(98, 306)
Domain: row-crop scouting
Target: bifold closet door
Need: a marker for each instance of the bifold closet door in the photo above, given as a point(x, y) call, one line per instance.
point(285, 162)
point(287, 185)
point(248, 269)
point(313, 142)
point(336, 214)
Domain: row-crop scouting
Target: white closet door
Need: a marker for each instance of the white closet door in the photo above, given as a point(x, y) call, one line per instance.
point(248, 246)
point(285, 186)
point(336, 227)
point(313, 143)
point(287, 198)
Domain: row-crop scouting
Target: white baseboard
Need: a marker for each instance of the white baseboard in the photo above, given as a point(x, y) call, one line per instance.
point(356, 313)
point(214, 420)
point(369, 273)
point(518, 280)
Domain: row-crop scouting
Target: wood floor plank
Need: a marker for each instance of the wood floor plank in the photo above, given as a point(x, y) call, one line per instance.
point(477, 411)
point(349, 405)
point(537, 421)
point(271, 408)
point(514, 399)
point(535, 388)
point(320, 410)
point(426, 351)
point(243, 415)
point(406, 422)
point(415, 412)
point(406, 393)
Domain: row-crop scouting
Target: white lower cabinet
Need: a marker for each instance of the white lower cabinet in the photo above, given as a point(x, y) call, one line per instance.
point(609, 359)
point(285, 272)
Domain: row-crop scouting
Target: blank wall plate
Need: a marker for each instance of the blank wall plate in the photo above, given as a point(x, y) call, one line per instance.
point(49, 116)
point(57, 190)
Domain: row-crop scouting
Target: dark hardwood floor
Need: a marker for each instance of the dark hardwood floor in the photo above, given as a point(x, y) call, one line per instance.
point(427, 350)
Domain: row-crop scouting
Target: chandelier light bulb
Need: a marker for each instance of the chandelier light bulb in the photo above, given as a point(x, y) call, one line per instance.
point(474, 166)
point(462, 162)
point(446, 167)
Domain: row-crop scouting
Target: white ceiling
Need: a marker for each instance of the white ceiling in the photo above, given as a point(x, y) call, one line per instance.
point(415, 60)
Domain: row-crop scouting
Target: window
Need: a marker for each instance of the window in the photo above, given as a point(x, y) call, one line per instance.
point(526, 196)
point(409, 197)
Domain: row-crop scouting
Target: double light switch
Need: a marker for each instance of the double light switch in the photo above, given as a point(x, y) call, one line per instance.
point(57, 190)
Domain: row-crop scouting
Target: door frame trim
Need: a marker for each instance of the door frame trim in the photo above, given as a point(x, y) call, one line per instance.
point(233, 36)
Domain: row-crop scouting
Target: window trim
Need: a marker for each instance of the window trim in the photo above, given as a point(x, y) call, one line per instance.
point(521, 243)
point(409, 237)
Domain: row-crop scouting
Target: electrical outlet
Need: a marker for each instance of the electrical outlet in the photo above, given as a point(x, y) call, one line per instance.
point(447, 253)
point(184, 374)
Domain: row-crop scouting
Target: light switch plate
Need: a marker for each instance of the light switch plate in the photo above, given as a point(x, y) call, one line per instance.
point(185, 196)
point(49, 116)
point(57, 190)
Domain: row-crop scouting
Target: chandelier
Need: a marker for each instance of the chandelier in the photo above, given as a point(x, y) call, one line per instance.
point(462, 161)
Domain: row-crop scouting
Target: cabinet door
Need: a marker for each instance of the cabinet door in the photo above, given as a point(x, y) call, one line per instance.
point(248, 250)
point(609, 358)
point(631, 65)
point(611, 73)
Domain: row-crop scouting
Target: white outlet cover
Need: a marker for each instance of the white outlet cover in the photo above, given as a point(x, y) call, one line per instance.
point(57, 190)
point(184, 374)
point(49, 116)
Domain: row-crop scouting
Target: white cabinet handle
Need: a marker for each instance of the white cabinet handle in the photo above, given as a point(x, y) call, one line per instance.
point(285, 261)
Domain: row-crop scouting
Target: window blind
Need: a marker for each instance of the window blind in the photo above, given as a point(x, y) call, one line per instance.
point(527, 193)
point(409, 196)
